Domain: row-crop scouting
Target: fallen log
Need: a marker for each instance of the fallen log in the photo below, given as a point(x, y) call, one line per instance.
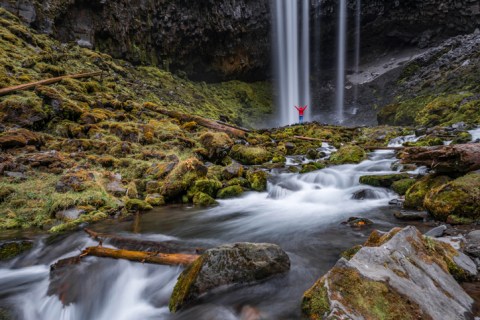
point(31, 85)
point(232, 126)
point(204, 122)
point(141, 256)
point(382, 148)
point(456, 159)
point(142, 245)
point(309, 139)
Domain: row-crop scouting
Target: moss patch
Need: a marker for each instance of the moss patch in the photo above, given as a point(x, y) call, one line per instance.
point(348, 154)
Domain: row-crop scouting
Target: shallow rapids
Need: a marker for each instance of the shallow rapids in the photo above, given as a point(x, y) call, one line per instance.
point(301, 213)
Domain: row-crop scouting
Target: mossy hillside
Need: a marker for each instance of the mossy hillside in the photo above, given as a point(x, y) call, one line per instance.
point(458, 197)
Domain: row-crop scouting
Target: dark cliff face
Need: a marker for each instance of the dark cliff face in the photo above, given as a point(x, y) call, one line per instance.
point(230, 39)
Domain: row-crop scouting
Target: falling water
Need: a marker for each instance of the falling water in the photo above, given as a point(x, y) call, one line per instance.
point(357, 53)
point(341, 54)
point(292, 57)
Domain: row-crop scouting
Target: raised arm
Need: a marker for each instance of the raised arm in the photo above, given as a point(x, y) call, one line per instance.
point(297, 108)
point(304, 108)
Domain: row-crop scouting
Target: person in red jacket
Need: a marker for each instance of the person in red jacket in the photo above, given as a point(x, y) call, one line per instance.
point(301, 110)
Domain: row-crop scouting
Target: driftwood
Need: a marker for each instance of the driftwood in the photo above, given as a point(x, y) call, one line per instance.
point(142, 245)
point(31, 85)
point(460, 158)
point(232, 126)
point(204, 122)
point(141, 256)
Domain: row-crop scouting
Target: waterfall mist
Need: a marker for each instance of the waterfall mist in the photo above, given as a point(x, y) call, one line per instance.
point(341, 56)
point(292, 57)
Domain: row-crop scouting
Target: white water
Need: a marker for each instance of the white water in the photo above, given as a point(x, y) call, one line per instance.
point(301, 213)
point(358, 18)
point(475, 134)
point(292, 49)
point(341, 59)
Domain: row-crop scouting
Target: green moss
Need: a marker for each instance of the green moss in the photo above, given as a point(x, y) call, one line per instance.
point(183, 288)
point(11, 249)
point(401, 186)
point(250, 155)
point(206, 186)
point(137, 205)
point(257, 180)
point(312, 166)
point(230, 192)
point(203, 199)
point(456, 220)
point(349, 253)
point(415, 195)
point(348, 154)
point(155, 200)
point(315, 301)
point(459, 197)
point(384, 181)
point(73, 225)
point(427, 141)
point(5, 191)
point(462, 137)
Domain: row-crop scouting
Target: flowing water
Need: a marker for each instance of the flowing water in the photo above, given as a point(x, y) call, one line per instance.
point(292, 64)
point(358, 20)
point(341, 59)
point(301, 213)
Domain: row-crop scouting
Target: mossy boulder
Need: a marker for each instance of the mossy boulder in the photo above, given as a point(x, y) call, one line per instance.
point(137, 205)
point(206, 186)
point(396, 275)
point(155, 200)
point(11, 249)
point(240, 263)
point(257, 180)
point(459, 197)
point(250, 155)
point(182, 178)
point(415, 195)
point(217, 145)
point(234, 170)
point(348, 154)
point(462, 137)
point(401, 186)
point(230, 192)
point(428, 141)
point(20, 138)
point(312, 166)
point(384, 181)
point(203, 199)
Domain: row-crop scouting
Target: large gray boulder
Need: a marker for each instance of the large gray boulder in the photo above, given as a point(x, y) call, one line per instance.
point(396, 275)
point(229, 264)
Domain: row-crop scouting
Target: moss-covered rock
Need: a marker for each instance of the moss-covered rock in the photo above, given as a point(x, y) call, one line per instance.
point(137, 205)
point(234, 170)
point(459, 197)
point(18, 138)
point(11, 249)
point(462, 137)
point(182, 178)
point(206, 186)
point(238, 263)
point(427, 141)
point(203, 199)
point(257, 179)
point(217, 145)
point(348, 154)
point(155, 200)
point(250, 155)
point(312, 166)
point(415, 195)
point(230, 192)
point(384, 181)
point(401, 186)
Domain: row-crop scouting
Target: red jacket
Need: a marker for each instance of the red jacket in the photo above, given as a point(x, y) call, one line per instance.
point(301, 110)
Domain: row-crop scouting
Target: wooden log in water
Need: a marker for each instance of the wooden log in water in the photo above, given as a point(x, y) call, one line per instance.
point(141, 256)
point(143, 245)
point(31, 85)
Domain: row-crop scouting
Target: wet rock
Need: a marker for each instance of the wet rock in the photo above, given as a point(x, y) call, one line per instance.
point(134, 205)
point(203, 199)
point(365, 194)
point(11, 249)
point(472, 244)
point(69, 214)
point(217, 145)
point(312, 154)
point(257, 180)
point(312, 166)
point(458, 198)
point(206, 186)
point(396, 202)
point(230, 192)
point(410, 215)
point(405, 275)
point(356, 222)
point(182, 178)
point(155, 199)
point(436, 232)
point(239, 263)
point(232, 171)
point(401, 186)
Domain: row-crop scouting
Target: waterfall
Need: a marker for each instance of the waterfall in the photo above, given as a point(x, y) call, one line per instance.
point(292, 62)
point(357, 53)
point(341, 56)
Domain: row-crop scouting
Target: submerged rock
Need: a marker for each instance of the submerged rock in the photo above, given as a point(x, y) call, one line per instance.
point(396, 275)
point(230, 264)
point(410, 215)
